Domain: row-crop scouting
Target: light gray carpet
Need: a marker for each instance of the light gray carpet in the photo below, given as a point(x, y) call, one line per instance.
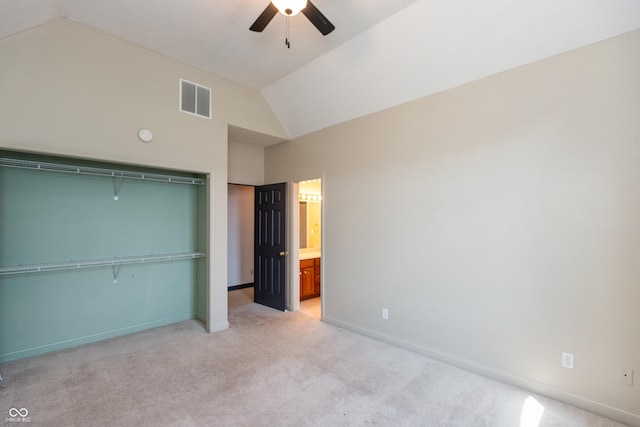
point(268, 369)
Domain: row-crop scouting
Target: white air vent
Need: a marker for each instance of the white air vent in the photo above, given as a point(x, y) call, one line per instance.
point(195, 99)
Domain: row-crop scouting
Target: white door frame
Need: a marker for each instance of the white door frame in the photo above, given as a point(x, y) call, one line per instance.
point(294, 246)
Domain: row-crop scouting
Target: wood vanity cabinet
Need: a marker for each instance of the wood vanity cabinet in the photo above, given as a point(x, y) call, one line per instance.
point(309, 278)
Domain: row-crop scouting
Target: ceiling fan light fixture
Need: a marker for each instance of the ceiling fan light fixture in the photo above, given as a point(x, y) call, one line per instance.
point(289, 7)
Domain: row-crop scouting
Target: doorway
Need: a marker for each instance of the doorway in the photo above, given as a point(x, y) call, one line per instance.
point(241, 254)
point(309, 243)
point(240, 240)
point(256, 245)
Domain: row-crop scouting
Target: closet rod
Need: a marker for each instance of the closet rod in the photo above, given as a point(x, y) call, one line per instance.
point(115, 261)
point(85, 170)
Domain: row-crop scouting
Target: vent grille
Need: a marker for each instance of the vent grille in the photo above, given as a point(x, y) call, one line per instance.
point(195, 99)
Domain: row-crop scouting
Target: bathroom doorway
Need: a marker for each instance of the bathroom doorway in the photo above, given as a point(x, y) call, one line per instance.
point(310, 246)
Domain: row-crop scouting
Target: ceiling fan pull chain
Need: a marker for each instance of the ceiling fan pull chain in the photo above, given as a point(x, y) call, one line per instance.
point(286, 38)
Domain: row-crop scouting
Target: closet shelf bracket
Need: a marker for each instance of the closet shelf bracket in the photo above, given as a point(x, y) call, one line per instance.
point(117, 183)
point(116, 269)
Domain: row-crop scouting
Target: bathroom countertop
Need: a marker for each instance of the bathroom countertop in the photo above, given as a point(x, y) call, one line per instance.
point(310, 253)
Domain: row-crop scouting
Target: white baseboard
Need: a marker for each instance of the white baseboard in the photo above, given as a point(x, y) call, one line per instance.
point(547, 390)
point(87, 339)
point(219, 327)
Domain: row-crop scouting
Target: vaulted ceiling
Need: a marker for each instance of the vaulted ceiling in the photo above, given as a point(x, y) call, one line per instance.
point(381, 54)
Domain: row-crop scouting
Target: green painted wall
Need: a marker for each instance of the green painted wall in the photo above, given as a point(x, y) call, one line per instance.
point(49, 216)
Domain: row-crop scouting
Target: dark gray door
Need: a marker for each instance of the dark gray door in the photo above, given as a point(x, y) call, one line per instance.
point(269, 247)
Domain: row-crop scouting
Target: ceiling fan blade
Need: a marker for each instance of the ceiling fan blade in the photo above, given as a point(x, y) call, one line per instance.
point(265, 17)
point(318, 19)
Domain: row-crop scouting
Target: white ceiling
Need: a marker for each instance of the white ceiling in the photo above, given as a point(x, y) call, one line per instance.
point(381, 54)
point(210, 34)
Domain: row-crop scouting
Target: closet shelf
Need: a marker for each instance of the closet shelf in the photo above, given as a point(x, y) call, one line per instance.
point(85, 170)
point(113, 262)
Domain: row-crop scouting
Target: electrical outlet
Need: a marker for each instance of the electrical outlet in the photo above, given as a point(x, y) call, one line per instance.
point(567, 360)
point(626, 376)
point(252, 271)
point(385, 314)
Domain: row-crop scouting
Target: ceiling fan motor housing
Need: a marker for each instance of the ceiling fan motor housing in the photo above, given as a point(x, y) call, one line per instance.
point(291, 8)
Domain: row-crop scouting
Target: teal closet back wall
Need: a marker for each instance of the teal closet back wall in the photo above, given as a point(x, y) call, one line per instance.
point(52, 216)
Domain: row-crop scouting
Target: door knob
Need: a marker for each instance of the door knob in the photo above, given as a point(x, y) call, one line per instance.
point(284, 253)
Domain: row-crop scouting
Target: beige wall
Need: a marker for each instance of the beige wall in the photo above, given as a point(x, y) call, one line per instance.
point(69, 90)
point(498, 223)
point(246, 164)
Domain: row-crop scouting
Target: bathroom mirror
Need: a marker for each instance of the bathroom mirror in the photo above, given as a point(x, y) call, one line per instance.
point(310, 198)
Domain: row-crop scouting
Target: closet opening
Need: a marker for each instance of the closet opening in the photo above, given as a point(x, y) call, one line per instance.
point(92, 250)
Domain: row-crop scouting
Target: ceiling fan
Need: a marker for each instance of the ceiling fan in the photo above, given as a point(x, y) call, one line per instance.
point(291, 8)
